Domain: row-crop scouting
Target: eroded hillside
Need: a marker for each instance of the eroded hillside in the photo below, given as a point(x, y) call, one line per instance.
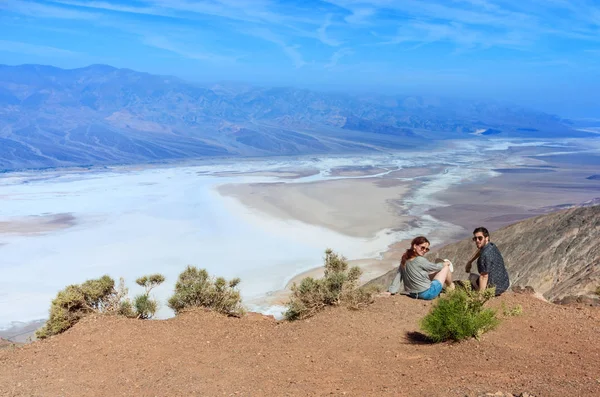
point(557, 254)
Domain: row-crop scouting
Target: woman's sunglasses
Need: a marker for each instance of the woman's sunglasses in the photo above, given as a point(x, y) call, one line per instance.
point(426, 249)
point(478, 238)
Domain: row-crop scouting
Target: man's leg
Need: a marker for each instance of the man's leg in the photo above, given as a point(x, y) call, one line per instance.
point(474, 279)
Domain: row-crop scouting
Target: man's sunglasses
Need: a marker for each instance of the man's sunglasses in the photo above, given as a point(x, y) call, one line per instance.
point(478, 238)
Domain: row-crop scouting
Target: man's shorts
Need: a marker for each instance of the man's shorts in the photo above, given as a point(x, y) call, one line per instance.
point(431, 293)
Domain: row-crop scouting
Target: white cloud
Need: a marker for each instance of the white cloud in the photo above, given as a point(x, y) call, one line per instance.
point(290, 50)
point(164, 43)
point(360, 15)
point(339, 54)
point(101, 5)
point(463, 25)
point(34, 49)
point(322, 34)
point(45, 11)
point(463, 37)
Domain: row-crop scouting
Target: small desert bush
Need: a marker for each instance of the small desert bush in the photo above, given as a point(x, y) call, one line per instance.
point(460, 315)
point(79, 300)
point(195, 288)
point(339, 286)
point(145, 306)
point(514, 311)
point(598, 291)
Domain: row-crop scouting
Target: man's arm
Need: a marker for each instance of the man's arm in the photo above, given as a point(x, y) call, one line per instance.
point(483, 281)
point(470, 262)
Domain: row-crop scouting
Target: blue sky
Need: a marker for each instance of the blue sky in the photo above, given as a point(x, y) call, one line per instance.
point(540, 53)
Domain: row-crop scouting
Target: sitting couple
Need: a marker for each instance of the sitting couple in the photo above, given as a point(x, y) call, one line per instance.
point(424, 280)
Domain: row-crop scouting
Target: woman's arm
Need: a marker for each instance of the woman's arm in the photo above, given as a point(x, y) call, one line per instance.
point(428, 266)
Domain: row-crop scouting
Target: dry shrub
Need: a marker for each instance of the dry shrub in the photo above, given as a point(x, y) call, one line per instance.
point(339, 286)
point(145, 306)
point(195, 288)
point(514, 311)
point(78, 300)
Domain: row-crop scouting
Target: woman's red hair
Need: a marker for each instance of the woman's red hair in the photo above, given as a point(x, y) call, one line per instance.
point(410, 253)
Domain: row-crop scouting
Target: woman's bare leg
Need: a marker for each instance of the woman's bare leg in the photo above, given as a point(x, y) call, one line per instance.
point(444, 276)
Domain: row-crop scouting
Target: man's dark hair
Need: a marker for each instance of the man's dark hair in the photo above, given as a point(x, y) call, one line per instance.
point(483, 230)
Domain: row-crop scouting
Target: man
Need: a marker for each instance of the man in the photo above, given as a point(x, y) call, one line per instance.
point(490, 264)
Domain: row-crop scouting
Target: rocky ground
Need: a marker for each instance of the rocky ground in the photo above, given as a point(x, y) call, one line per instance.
point(4, 344)
point(549, 350)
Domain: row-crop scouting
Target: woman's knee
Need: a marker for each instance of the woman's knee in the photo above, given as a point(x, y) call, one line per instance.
point(442, 274)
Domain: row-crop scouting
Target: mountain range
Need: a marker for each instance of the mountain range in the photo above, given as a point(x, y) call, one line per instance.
point(99, 114)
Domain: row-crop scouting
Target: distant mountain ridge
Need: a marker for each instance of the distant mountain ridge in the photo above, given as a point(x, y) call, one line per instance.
point(103, 115)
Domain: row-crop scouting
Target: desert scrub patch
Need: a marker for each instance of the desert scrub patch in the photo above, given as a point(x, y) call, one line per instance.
point(145, 306)
point(79, 300)
point(196, 288)
point(339, 286)
point(460, 315)
point(514, 311)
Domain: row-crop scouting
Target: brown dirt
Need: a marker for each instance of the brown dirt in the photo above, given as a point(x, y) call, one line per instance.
point(5, 344)
point(550, 350)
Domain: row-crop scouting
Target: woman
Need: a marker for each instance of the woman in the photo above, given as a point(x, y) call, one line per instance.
point(423, 279)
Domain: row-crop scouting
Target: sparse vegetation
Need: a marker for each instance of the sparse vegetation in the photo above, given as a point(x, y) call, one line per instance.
point(514, 311)
point(339, 286)
point(79, 300)
point(460, 315)
point(598, 291)
point(195, 288)
point(145, 306)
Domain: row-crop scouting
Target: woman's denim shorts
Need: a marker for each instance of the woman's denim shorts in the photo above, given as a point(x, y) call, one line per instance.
point(431, 293)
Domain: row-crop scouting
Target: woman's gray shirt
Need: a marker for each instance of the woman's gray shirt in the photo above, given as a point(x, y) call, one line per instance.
point(415, 274)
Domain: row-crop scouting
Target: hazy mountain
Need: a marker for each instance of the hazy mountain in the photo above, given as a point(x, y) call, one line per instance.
point(103, 115)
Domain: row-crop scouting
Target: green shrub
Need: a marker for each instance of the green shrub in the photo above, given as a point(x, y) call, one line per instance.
point(145, 306)
point(195, 288)
point(460, 315)
point(78, 300)
point(516, 310)
point(127, 309)
point(151, 281)
point(338, 286)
